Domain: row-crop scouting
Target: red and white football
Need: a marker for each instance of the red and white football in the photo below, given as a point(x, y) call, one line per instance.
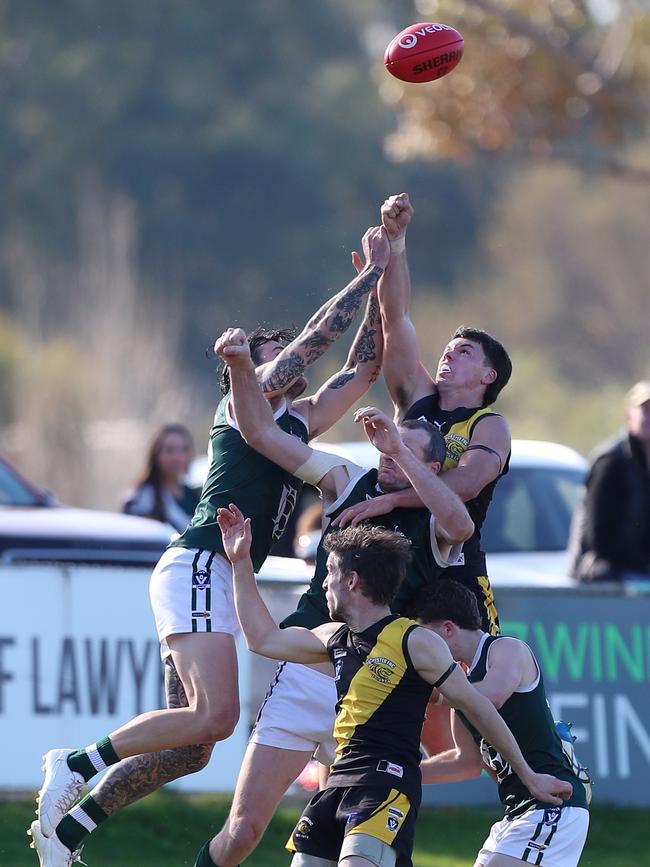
point(424, 52)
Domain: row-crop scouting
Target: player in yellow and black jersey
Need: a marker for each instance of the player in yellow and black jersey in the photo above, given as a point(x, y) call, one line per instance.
point(369, 806)
point(457, 399)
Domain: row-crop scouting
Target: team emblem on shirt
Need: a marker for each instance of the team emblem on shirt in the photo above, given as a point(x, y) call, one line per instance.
point(381, 668)
point(303, 828)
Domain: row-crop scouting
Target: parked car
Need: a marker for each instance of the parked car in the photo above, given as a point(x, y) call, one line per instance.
point(526, 531)
point(34, 527)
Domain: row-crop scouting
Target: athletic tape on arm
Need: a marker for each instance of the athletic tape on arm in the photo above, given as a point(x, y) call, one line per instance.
point(319, 464)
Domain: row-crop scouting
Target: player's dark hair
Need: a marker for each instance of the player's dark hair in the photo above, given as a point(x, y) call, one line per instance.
point(435, 450)
point(256, 339)
point(445, 599)
point(496, 356)
point(378, 556)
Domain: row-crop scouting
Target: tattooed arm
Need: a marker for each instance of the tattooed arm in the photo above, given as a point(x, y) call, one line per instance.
point(327, 325)
point(341, 391)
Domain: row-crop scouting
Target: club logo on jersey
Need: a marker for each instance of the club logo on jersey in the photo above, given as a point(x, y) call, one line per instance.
point(381, 668)
point(392, 824)
point(456, 445)
point(303, 828)
point(552, 815)
point(201, 579)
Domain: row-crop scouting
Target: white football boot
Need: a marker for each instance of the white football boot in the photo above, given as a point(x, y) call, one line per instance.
point(61, 790)
point(51, 851)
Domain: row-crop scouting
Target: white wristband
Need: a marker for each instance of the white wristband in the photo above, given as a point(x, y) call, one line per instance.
point(398, 245)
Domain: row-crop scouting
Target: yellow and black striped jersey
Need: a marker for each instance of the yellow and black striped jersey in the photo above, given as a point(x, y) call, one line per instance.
point(457, 426)
point(380, 709)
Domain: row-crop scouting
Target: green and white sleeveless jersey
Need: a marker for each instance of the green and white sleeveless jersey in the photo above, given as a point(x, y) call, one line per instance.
point(417, 525)
point(527, 715)
point(238, 474)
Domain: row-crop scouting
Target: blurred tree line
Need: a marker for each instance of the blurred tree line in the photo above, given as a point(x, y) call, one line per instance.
point(172, 168)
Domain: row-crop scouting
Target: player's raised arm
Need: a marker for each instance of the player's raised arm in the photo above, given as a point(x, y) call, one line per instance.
point(453, 523)
point(329, 322)
point(432, 659)
point(257, 425)
point(406, 377)
point(351, 382)
point(262, 634)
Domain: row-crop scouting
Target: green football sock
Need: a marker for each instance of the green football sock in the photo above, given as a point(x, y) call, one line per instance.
point(79, 822)
point(96, 757)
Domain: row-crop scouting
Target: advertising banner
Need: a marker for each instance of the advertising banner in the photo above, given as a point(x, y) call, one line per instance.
point(79, 657)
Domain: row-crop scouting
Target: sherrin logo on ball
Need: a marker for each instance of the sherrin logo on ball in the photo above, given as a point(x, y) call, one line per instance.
point(424, 52)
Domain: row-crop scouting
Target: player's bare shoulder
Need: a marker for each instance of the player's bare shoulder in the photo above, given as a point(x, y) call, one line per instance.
point(429, 653)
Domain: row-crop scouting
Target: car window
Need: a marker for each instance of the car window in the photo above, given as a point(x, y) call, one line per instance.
point(13, 491)
point(531, 510)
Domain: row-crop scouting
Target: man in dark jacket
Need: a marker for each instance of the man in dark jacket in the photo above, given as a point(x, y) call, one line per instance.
point(611, 533)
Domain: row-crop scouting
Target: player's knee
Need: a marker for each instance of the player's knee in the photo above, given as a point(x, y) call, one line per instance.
point(217, 725)
point(246, 831)
point(197, 757)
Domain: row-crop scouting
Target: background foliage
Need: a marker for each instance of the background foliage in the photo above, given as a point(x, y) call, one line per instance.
point(172, 168)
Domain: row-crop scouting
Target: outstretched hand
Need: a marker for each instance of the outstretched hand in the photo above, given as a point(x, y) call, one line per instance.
point(396, 214)
point(380, 430)
point(235, 532)
point(233, 347)
point(376, 249)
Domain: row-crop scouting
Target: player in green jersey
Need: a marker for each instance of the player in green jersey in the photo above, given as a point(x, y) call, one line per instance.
point(299, 716)
point(379, 658)
point(505, 670)
point(191, 587)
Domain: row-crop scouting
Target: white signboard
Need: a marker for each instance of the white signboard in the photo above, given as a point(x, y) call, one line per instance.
point(79, 656)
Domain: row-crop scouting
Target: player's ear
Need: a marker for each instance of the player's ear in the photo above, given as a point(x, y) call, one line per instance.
point(489, 377)
point(354, 580)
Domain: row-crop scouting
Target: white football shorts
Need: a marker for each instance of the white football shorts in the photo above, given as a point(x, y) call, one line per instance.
point(191, 591)
point(298, 712)
point(552, 837)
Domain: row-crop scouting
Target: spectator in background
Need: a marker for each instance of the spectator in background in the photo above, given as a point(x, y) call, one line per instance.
point(610, 539)
point(160, 491)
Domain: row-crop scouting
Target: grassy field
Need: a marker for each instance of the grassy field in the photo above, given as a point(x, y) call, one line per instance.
point(166, 830)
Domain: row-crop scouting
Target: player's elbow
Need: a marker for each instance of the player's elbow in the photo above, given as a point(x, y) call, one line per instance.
point(459, 527)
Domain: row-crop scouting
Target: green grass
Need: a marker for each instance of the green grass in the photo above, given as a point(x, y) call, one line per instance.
point(166, 830)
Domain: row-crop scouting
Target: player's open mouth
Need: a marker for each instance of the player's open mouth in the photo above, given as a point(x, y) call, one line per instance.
point(444, 368)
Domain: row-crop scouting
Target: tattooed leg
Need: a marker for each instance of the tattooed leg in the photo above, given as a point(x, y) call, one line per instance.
point(137, 776)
